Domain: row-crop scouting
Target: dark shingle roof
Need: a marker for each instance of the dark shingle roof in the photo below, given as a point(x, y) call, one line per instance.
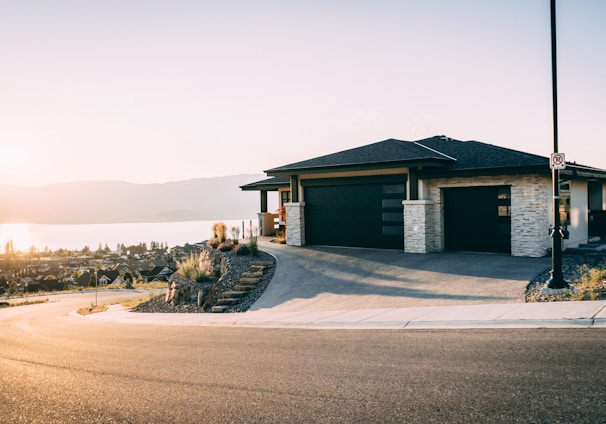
point(440, 153)
point(473, 155)
point(267, 184)
point(387, 152)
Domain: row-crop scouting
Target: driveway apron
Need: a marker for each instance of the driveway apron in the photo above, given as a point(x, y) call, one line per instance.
point(322, 278)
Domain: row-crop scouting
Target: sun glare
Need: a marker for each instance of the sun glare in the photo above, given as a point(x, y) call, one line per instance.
point(18, 234)
point(12, 160)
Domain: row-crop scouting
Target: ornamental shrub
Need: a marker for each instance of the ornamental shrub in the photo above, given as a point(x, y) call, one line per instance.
point(241, 249)
point(225, 247)
point(252, 245)
point(196, 268)
point(235, 234)
point(220, 231)
point(213, 243)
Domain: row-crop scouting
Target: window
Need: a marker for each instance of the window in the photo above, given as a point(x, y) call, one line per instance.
point(504, 210)
point(564, 203)
point(284, 197)
point(504, 201)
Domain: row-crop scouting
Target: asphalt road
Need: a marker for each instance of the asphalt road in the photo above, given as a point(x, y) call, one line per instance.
point(59, 369)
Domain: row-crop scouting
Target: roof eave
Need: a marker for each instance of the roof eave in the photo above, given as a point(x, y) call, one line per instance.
point(479, 172)
point(285, 172)
point(270, 184)
point(583, 172)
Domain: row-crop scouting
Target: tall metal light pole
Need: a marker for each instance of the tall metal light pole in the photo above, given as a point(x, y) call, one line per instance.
point(556, 280)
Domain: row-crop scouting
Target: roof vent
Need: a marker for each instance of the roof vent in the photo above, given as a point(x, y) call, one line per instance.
point(443, 137)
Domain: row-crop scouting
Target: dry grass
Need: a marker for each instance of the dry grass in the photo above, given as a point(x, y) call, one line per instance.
point(591, 285)
point(126, 303)
point(92, 309)
point(131, 303)
point(152, 285)
point(25, 302)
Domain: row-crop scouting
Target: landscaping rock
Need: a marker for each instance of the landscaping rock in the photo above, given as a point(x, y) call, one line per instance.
point(231, 267)
point(571, 264)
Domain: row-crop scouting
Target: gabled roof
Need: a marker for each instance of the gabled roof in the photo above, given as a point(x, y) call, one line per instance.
point(383, 154)
point(110, 274)
point(437, 156)
point(157, 270)
point(476, 155)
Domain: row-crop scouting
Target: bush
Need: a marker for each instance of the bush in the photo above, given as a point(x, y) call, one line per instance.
point(225, 247)
point(220, 231)
point(241, 250)
point(213, 243)
point(196, 269)
point(235, 234)
point(252, 245)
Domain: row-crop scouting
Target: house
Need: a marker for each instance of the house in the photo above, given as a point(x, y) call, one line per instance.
point(433, 195)
point(109, 277)
point(83, 279)
point(157, 273)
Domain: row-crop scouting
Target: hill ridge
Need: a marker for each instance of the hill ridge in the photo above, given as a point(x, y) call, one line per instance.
point(92, 202)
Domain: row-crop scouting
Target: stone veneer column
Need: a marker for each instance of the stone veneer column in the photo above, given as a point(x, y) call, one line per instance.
point(530, 216)
point(295, 224)
point(417, 226)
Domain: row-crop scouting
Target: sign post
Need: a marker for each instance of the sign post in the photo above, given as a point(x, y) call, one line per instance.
point(557, 162)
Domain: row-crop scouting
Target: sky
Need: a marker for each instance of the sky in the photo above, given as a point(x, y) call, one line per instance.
point(153, 91)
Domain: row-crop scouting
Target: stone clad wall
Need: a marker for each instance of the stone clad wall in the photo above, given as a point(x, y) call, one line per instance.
point(418, 229)
point(295, 224)
point(530, 218)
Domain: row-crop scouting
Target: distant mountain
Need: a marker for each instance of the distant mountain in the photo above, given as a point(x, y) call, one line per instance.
point(217, 198)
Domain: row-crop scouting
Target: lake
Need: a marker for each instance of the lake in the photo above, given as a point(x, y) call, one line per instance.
point(75, 237)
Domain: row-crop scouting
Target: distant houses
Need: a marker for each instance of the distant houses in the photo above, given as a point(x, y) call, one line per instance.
point(110, 269)
point(157, 273)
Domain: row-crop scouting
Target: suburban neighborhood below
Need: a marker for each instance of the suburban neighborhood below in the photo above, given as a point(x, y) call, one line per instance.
point(72, 269)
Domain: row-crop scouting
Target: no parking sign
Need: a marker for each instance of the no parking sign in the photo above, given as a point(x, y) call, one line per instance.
point(557, 161)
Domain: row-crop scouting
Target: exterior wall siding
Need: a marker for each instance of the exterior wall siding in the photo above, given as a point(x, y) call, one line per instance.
point(579, 214)
point(295, 224)
point(530, 195)
point(418, 228)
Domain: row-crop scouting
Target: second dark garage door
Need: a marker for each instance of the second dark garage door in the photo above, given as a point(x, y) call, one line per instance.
point(478, 219)
point(355, 212)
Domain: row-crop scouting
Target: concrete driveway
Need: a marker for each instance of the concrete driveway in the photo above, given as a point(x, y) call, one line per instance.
point(320, 278)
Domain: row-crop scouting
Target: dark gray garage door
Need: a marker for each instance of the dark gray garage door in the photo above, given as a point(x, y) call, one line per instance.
point(356, 212)
point(478, 219)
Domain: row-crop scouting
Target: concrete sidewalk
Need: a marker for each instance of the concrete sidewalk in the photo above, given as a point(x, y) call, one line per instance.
point(586, 314)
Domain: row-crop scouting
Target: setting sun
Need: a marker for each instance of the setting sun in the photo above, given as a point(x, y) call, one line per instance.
point(18, 233)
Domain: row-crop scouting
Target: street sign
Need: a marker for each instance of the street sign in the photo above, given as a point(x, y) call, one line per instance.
point(557, 161)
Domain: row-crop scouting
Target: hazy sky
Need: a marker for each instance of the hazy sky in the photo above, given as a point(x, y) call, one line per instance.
point(155, 91)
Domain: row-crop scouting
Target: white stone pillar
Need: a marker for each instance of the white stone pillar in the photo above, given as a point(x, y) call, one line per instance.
point(295, 224)
point(418, 231)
